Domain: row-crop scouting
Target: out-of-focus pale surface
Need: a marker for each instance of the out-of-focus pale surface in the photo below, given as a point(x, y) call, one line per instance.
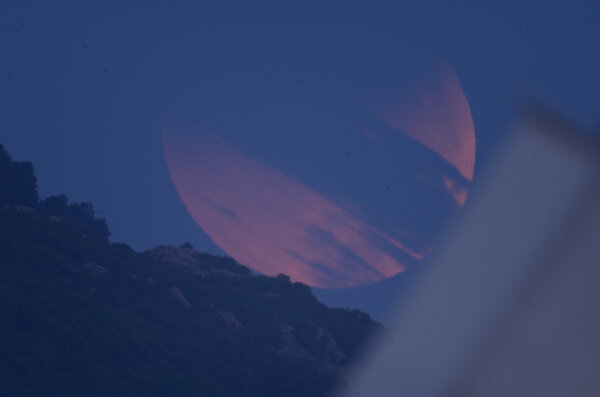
point(512, 280)
point(548, 342)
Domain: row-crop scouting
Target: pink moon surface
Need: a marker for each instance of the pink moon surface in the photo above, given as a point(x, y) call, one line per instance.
point(276, 224)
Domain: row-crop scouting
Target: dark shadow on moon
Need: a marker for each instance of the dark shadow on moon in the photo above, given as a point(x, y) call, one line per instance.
point(225, 211)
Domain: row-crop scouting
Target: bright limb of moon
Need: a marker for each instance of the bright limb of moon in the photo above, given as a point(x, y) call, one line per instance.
point(436, 113)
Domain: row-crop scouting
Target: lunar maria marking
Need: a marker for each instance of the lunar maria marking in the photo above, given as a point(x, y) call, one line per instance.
point(275, 224)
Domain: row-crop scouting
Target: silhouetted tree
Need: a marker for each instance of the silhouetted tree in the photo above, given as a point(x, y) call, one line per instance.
point(18, 185)
point(81, 214)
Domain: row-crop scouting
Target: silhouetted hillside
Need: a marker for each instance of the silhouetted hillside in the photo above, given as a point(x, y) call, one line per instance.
point(82, 316)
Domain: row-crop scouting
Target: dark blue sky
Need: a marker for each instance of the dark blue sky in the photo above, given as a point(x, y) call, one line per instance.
point(86, 90)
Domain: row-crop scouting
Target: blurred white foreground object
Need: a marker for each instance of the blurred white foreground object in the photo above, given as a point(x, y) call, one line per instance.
point(510, 303)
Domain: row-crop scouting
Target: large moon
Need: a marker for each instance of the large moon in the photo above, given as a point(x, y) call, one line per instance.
point(275, 223)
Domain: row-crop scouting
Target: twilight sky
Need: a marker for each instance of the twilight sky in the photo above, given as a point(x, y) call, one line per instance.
point(87, 92)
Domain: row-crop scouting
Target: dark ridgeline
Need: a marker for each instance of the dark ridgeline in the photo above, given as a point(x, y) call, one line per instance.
point(81, 316)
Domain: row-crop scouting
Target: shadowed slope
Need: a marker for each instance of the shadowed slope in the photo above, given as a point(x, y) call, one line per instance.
point(84, 316)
